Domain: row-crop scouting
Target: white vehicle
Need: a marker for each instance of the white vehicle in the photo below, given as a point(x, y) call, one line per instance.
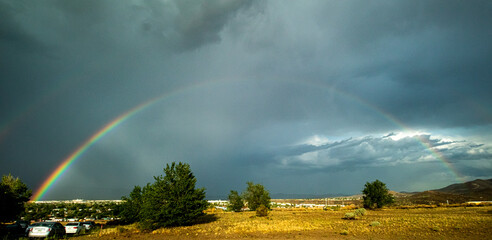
point(89, 225)
point(74, 228)
point(47, 229)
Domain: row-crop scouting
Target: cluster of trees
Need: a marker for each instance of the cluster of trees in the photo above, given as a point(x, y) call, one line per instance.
point(13, 195)
point(45, 211)
point(254, 196)
point(172, 200)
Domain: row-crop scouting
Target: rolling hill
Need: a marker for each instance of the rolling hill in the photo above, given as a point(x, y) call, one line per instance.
point(476, 190)
point(478, 186)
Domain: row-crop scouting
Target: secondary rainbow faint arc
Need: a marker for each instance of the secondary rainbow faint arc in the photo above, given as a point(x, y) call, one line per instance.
point(80, 150)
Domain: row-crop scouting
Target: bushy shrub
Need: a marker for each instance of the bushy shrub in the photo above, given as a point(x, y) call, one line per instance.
point(353, 215)
point(360, 212)
point(344, 232)
point(350, 216)
point(374, 224)
point(262, 211)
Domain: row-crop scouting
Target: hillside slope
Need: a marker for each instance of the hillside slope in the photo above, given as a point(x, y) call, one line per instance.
point(476, 190)
point(467, 188)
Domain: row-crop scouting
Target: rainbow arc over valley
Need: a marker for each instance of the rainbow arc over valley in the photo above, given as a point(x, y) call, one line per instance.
point(45, 186)
point(67, 162)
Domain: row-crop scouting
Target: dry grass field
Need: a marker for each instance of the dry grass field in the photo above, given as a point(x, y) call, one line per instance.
point(422, 223)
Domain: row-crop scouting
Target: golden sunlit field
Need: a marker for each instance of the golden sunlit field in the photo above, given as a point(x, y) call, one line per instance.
point(423, 223)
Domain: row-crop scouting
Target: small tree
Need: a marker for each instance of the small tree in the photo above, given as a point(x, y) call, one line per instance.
point(235, 202)
point(376, 195)
point(256, 195)
point(132, 206)
point(172, 199)
point(13, 195)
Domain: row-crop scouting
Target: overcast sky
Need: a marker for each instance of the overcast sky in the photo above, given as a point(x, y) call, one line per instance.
point(304, 97)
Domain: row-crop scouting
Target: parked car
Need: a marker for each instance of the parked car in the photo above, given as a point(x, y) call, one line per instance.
point(47, 229)
point(74, 228)
point(28, 229)
point(89, 225)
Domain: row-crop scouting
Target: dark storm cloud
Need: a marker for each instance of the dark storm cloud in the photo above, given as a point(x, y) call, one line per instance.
point(12, 33)
point(426, 56)
point(243, 85)
point(432, 56)
point(173, 25)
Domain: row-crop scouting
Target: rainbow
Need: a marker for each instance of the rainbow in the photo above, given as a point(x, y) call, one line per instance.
point(45, 186)
point(66, 163)
point(438, 155)
point(422, 141)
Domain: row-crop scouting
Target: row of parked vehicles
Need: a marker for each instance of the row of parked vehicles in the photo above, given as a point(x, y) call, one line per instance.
point(49, 229)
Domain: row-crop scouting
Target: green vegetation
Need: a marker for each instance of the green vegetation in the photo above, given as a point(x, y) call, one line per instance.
point(344, 232)
point(256, 195)
point(13, 196)
point(235, 202)
point(262, 211)
point(374, 224)
point(355, 215)
point(376, 195)
point(171, 200)
point(360, 212)
point(132, 206)
point(349, 216)
point(60, 210)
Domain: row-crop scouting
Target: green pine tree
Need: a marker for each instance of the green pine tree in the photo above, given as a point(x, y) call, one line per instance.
point(172, 200)
point(235, 202)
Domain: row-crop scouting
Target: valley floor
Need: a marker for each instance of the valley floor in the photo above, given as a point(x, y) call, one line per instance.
point(435, 223)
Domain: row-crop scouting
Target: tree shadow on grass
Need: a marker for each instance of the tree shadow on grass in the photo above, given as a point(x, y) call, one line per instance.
point(207, 218)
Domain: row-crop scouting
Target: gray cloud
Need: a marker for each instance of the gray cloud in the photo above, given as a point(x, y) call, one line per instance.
point(383, 151)
point(242, 84)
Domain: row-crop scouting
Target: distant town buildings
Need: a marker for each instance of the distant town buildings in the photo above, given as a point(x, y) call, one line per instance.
point(81, 201)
